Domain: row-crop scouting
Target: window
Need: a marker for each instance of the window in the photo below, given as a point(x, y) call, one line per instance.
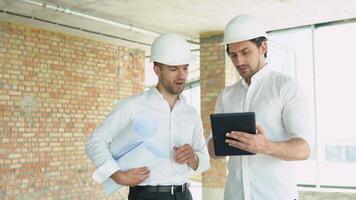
point(150, 76)
point(335, 82)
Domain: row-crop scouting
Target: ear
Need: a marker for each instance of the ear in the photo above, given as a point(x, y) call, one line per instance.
point(157, 70)
point(264, 47)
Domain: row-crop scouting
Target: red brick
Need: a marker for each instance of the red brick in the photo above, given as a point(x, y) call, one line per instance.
point(48, 112)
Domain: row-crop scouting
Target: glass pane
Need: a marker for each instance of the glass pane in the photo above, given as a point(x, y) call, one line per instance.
point(335, 73)
point(150, 76)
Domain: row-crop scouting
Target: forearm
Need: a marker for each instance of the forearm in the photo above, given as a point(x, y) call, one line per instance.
point(116, 176)
point(202, 160)
point(131, 177)
point(292, 149)
point(195, 163)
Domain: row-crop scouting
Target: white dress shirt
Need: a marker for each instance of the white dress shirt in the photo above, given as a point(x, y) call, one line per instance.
point(281, 109)
point(142, 131)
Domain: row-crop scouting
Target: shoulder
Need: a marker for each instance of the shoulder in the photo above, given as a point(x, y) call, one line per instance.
point(187, 107)
point(280, 78)
point(129, 102)
point(288, 87)
point(231, 89)
point(282, 81)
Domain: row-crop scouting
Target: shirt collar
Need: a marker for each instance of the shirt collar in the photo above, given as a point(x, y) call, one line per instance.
point(258, 76)
point(153, 90)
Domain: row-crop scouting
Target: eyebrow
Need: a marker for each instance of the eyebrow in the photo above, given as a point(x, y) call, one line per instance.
point(244, 49)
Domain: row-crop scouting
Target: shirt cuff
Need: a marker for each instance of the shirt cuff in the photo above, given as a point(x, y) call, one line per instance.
point(203, 165)
point(105, 171)
point(110, 186)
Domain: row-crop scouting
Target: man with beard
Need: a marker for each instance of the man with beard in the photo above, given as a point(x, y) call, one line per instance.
point(283, 131)
point(152, 142)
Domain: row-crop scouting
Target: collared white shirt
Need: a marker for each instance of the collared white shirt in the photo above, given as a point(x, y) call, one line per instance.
point(281, 110)
point(115, 144)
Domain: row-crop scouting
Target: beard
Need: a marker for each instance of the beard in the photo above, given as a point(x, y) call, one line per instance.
point(250, 70)
point(173, 88)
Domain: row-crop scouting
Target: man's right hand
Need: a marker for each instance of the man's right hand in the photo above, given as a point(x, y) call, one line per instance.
point(131, 177)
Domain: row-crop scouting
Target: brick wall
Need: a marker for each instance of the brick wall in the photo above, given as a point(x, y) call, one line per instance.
point(54, 90)
point(212, 81)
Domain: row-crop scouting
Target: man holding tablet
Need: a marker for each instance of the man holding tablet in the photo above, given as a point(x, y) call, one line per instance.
point(283, 130)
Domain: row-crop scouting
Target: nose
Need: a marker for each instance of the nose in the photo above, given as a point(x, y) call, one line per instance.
point(238, 60)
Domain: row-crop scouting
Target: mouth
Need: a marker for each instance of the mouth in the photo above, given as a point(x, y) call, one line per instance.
point(242, 68)
point(179, 83)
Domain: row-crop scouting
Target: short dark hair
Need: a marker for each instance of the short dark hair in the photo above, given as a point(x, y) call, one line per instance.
point(257, 41)
point(158, 64)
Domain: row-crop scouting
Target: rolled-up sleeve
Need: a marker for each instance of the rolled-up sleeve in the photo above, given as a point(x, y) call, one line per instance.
point(98, 145)
point(199, 146)
point(296, 113)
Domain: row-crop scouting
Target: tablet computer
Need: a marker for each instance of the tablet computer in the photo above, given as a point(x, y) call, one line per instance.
point(227, 122)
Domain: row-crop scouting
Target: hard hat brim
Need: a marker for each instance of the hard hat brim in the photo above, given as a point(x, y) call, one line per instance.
point(243, 39)
point(192, 58)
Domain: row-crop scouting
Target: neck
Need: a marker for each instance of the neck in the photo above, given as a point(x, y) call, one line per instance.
point(261, 65)
point(169, 97)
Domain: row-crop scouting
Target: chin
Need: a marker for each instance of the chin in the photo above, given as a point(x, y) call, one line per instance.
point(246, 76)
point(178, 92)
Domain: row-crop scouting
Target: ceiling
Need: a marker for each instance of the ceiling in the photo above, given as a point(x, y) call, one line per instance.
point(152, 17)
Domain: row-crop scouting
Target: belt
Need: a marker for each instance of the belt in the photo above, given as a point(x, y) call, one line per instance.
point(173, 189)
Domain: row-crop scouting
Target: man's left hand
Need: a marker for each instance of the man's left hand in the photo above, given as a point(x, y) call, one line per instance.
point(185, 155)
point(254, 143)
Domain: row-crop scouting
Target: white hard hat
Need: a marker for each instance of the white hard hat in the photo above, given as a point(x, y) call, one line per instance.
point(171, 49)
point(243, 28)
